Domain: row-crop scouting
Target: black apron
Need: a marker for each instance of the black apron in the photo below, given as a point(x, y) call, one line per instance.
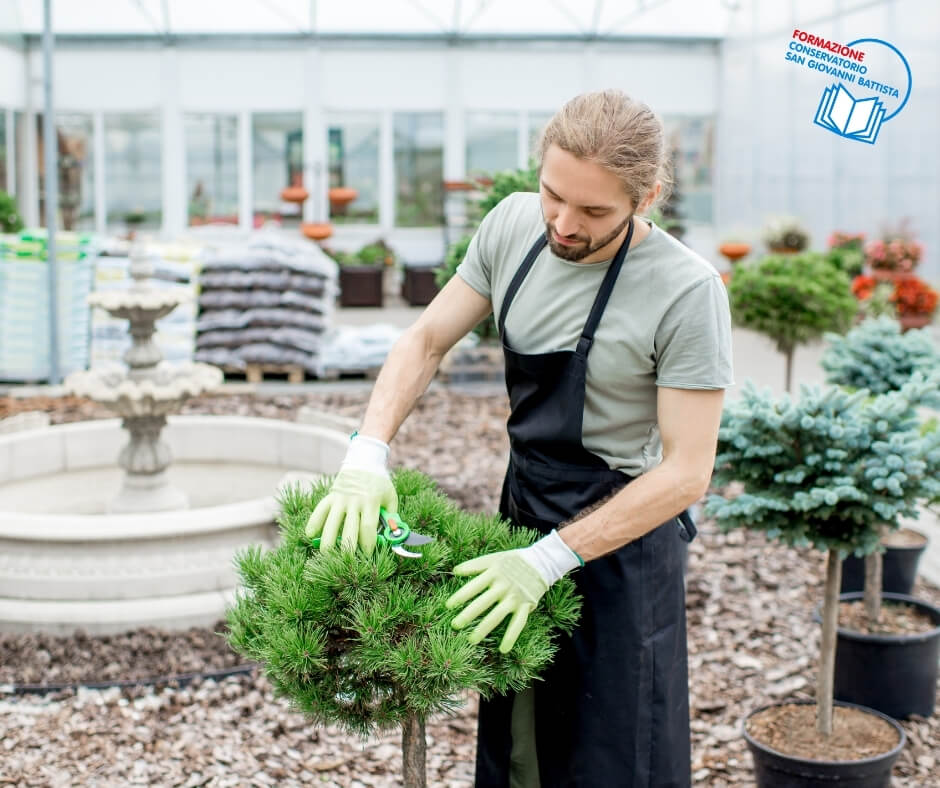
point(612, 709)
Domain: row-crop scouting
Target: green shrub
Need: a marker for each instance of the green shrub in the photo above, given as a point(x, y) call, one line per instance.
point(10, 220)
point(366, 642)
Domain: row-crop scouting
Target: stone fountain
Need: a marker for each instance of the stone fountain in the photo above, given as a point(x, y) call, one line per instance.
point(88, 544)
point(146, 392)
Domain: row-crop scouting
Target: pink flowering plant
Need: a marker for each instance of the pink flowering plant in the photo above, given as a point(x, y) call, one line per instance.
point(895, 251)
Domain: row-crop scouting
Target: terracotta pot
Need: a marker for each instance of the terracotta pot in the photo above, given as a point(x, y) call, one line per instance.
point(342, 195)
point(734, 250)
point(784, 250)
point(888, 275)
point(458, 186)
point(316, 231)
point(294, 194)
point(917, 320)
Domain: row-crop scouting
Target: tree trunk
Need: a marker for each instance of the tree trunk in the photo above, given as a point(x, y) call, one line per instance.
point(789, 373)
point(827, 656)
point(414, 752)
point(873, 571)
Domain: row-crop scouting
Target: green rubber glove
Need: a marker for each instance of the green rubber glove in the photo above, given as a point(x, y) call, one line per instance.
point(360, 488)
point(510, 583)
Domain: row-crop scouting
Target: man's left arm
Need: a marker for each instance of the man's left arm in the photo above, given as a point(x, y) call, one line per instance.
point(688, 425)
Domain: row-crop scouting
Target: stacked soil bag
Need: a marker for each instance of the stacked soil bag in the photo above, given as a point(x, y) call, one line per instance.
point(265, 303)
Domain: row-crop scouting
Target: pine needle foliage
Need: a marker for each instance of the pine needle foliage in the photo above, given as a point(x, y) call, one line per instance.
point(366, 642)
point(876, 355)
point(829, 469)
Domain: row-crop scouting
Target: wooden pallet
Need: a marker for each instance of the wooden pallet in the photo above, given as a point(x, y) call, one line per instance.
point(256, 373)
point(369, 373)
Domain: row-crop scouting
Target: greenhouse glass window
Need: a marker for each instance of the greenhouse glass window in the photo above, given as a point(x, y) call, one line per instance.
point(277, 142)
point(692, 142)
point(492, 142)
point(419, 169)
point(132, 171)
point(75, 141)
point(211, 168)
point(537, 122)
point(354, 162)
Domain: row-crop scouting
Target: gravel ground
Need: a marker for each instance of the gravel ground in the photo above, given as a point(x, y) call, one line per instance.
point(752, 640)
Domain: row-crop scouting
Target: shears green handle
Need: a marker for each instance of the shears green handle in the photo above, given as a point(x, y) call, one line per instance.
point(394, 532)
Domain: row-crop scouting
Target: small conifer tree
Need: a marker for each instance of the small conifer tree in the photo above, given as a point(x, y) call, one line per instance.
point(792, 299)
point(366, 642)
point(828, 470)
point(877, 356)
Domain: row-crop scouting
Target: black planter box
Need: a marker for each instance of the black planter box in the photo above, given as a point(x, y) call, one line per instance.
point(360, 285)
point(418, 287)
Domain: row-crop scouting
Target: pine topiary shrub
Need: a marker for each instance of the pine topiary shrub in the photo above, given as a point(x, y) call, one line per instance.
point(793, 299)
point(832, 470)
point(876, 355)
point(366, 642)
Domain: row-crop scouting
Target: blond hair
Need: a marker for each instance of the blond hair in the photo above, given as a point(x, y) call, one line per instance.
point(620, 134)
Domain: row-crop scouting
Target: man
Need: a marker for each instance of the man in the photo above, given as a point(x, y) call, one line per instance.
point(617, 346)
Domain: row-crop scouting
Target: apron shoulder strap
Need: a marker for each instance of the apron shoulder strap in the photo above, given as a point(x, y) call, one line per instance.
point(520, 274)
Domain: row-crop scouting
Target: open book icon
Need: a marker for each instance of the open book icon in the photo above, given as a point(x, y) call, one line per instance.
point(855, 119)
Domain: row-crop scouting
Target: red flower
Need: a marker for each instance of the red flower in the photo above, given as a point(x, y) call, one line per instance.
point(863, 286)
point(913, 296)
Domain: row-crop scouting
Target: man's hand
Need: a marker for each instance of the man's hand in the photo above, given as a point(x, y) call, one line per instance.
point(360, 488)
point(511, 583)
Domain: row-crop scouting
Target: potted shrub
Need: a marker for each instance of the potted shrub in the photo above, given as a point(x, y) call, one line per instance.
point(792, 300)
point(366, 643)
point(823, 470)
point(874, 297)
point(895, 255)
point(785, 235)
point(501, 185)
point(361, 273)
point(876, 355)
point(915, 301)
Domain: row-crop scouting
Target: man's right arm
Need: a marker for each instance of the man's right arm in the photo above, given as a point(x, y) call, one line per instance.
point(416, 355)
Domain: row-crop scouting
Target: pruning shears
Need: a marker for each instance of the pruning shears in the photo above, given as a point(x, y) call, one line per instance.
point(395, 532)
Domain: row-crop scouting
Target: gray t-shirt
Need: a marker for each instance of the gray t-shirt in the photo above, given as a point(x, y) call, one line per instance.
point(667, 323)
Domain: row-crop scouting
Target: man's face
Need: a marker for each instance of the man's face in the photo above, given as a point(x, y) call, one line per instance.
point(584, 206)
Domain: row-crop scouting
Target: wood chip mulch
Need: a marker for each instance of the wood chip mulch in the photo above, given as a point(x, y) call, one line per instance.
point(752, 641)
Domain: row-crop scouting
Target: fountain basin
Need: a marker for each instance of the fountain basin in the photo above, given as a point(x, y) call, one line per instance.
point(65, 564)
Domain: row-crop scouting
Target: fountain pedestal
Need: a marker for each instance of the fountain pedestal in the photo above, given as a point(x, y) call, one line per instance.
point(144, 393)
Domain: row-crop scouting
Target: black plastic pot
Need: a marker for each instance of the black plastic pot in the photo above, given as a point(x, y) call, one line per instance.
point(898, 572)
point(360, 285)
point(773, 769)
point(895, 674)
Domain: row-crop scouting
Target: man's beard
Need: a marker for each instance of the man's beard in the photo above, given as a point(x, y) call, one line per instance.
point(575, 253)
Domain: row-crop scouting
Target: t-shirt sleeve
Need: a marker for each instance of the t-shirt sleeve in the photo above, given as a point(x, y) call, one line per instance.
point(476, 268)
point(693, 341)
